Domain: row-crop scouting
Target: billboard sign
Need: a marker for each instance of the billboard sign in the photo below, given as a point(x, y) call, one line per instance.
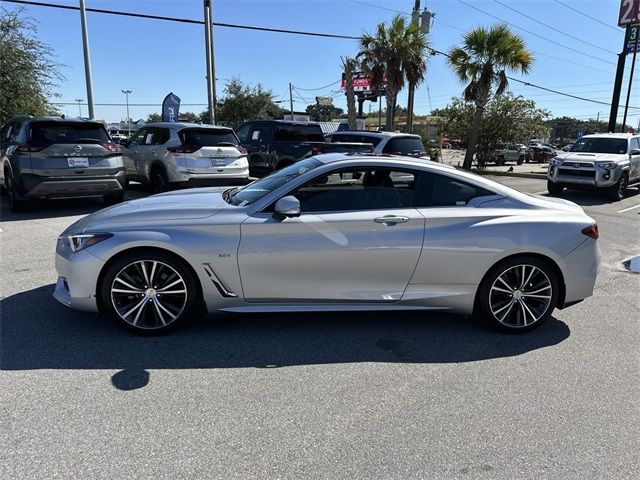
point(361, 84)
point(324, 101)
point(629, 10)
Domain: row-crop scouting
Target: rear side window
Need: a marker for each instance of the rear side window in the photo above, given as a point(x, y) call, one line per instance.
point(160, 136)
point(207, 137)
point(404, 146)
point(243, 132)
point(444, 191)
point(298, 133)
point(47, 133)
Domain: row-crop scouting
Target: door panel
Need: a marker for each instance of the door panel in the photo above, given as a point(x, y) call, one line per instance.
point(330, 257)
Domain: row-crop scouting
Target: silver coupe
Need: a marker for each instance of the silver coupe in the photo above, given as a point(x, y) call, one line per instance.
point(333, 232)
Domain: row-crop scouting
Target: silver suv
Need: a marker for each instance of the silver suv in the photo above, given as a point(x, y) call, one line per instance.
point(392, 143)
point(606, 161)
point(165, 155)
point(54, 157)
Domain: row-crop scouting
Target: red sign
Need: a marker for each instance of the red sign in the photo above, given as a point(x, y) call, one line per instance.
point(629, 10)
point(360, 84)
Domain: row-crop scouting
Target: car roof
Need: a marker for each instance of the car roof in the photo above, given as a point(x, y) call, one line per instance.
point(181, 125)
point(51, 118)
point(368, 133)
point(610, 135)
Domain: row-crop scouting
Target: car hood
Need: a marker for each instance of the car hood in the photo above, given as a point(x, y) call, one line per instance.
point(180, 205)
point(590, 157)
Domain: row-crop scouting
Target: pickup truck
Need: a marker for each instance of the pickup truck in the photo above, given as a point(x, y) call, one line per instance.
point(275, 144)
point(510, 153)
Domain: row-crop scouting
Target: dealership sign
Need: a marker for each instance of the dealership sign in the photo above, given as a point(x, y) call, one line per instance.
point(361, 84)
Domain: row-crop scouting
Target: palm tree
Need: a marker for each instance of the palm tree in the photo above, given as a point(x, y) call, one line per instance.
point(483, 60)
point(393, 55)
point(349, 66)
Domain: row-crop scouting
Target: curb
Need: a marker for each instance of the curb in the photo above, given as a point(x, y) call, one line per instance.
point(510, 174)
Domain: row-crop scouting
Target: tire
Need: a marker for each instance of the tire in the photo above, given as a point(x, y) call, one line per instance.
point(521, 160)
point(534, 293)
point(501, 161)
point(113, 198)
point(149, 311)
point(158, 181)
point(16, 203)
point(619, 190)
point(554, 188)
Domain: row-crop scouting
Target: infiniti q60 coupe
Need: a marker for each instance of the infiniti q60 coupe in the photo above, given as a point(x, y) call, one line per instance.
point(333, 232)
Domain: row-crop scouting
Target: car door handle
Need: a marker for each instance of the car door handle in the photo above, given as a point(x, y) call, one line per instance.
point(391, 219)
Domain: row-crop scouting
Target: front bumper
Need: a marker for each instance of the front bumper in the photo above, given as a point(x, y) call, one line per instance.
point(585, 174)
point(36, 186)
point(77, 278)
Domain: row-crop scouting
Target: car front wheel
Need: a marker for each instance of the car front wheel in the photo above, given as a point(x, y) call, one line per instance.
point(619, 190)
point(519, 294)
point(554, 188)
point(149, 293)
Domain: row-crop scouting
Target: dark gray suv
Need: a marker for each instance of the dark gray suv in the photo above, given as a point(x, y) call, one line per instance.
point(54, 157)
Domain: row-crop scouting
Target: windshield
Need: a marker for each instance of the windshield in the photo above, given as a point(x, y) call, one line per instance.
point(207, 137)
point(600, 145)
point(258, 189)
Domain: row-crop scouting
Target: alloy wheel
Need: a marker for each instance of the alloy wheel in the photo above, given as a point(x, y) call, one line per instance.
point(520, 296)
point(148, 294)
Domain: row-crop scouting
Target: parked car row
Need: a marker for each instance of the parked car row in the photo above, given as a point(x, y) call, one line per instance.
point(54, 157)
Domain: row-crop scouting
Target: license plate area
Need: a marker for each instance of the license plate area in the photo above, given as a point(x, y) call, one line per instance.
point(78, 162)
point(218, 161)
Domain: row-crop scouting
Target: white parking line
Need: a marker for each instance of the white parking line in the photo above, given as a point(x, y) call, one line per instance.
point(630, 208)
point(540, 192)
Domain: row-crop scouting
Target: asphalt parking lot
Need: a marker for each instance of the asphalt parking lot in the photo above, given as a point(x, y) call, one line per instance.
point(387, 395)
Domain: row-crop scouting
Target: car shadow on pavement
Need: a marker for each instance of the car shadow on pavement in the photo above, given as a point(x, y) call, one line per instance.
point(586, 198)
point(38, 333)
point(40, 209)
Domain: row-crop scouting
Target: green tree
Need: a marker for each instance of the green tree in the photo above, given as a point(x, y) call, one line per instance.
point(242, 102)
point(482, 61)
point(154, 118)
point(28, 71)
point(323, 113)
point(395, 54)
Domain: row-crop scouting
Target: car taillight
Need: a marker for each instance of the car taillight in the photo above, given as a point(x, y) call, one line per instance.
point(26, 148)
point(591, 231)
point(316, 149)
point(183, 149)
point(242, 150)
point(112, 147)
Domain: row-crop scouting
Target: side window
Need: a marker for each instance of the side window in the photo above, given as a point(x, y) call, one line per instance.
point(161, 136)
point(358, 189)
point(443, 191)
point(243, 132)
point(404, 146)
point(259, 134)
point(635, 144)
point(138, 138)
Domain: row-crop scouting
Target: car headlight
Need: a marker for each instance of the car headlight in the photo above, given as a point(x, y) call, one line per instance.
point(555, 162)
point(607, 165)
point(83, 240)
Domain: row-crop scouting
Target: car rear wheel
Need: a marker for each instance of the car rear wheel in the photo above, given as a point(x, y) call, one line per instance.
point(159, 182)
point(554, 188)
point(149, 293)
point(619, 190)
point(501, 161)
point(16, 204)
point(519, 294)
point(521, 160)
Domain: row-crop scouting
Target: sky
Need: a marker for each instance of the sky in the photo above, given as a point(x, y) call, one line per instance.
point(573, 53)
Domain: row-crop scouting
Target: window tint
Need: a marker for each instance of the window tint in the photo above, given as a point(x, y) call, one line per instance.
point(444, 191)
point(404, 146)
point(207, 137)
point(47, 133)
point(138, 137)
point(243, 132)
point(357, 189)
point(348, 138)
point(259, 134)
point(160, 136)
point(298, 133)
point(600, 145)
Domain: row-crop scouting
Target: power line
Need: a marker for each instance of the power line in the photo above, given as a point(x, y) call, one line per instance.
point(381, 7)
point(130, 104)
point(319, 88)
point(553, 28)
point(533, 33)
point(588, 16)
point(184, 20)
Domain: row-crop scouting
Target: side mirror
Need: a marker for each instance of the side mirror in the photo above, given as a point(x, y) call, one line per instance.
point(635, 151)
point(286, 207)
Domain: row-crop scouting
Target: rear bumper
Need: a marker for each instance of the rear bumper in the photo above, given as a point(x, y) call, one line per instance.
point(36, 186)
point(580, 269)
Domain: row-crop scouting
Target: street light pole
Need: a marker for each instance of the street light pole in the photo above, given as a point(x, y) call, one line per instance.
point(126, 94)
point(79, 100)
point(87, 59)
point(211, 69)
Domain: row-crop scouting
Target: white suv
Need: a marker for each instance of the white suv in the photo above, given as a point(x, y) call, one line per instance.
point(607, 161)
point(185, 154)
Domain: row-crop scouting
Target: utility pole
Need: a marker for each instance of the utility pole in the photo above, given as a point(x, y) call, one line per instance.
point(291, 100)
point(211, 69)
point(633, 66)
point(423, 20)
point(79, 100)
point(126, 94)
point(87, 59)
